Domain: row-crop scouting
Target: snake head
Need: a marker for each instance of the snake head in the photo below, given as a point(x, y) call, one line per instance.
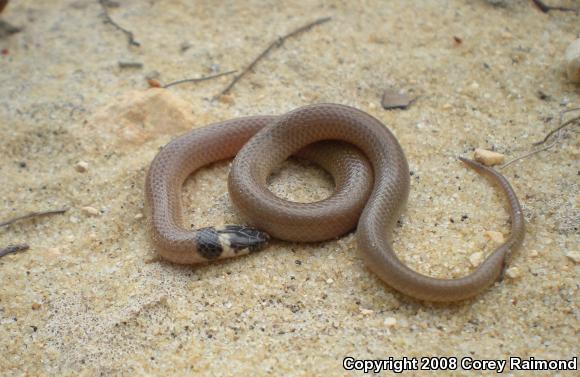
point(242, 237)
point(229, 241)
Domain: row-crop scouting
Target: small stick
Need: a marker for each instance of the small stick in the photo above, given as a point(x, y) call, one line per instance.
point(546, 8)
point(561, 126)
point(108, 19)
point(531, 153)
point(130, 65)
point(13, 249)
point(277, 43)
point(554, 131)
point(198, 79)
point(32, 214)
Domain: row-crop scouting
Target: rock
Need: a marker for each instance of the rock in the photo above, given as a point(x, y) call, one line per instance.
point(366, 311)
point(82, 166)
point(574, 256)
point(488, 158)
point(513, 272)
point(390, 321)
point(141, 115)
point(90, 211)
point(395, 99)
point(476, 258)
point(496, 237)
point(572, 58)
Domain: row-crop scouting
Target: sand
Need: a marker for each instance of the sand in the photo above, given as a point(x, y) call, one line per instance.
point(91, 297)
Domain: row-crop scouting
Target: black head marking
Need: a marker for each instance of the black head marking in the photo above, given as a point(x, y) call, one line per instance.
point(244, 237)
point(208, 243)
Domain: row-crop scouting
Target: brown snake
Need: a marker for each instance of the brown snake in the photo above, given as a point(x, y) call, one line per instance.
point(371, 190)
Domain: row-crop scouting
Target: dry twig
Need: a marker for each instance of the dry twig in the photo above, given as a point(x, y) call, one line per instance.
point(13, 249)
point(198, 79)
point(556, 140)
point(109, 20)
point(545, 8)
point(561, 126)
point(129, 65)
point(277, 43)
point(32, 214)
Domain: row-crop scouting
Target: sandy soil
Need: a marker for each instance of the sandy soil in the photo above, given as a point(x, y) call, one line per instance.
point(90, 297)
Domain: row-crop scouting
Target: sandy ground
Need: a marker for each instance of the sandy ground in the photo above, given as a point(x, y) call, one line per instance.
point(90, 297)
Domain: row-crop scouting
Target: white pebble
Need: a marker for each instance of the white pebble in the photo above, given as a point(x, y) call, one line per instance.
point(513, 272)
point(574, 255)
point(366, 311)
point(329, 281)
point(390, 321)
point(572, 57)
point(496, 237)
point(488, 158)
point(476, 258)
point(138, 216)
point(90, 211)
point(82, 166)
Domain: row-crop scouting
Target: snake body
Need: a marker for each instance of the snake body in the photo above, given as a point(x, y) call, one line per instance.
point(371, 177)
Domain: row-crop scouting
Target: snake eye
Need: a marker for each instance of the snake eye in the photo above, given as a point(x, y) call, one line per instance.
point(243, 237)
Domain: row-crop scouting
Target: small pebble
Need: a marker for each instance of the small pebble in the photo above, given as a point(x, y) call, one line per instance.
point(138, 216)
point(447, 107)
point(533, 253)
point(395, 99)
point(513, 272)
point(574, 256)
point(495, 237)
point(52, 254)
point(329, 281)
point(390, 321)
point(82, 166)
point(366, 311)
point(572, 58)
point(476, 258)
point(488, 158)
point(90, 211)
point(35, 306)
point(228, 99)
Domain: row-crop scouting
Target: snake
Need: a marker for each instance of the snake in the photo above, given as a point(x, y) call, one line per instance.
point(371, 177)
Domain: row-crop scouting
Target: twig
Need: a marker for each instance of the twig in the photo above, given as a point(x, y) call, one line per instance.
point(561, 126)
point(531, 153)
point(124, 65)
point(32, 214)
point(13, 249)
point(277, 43)
point(546, 8)
point(554, 131)
point(108, 19)
point(198, 79)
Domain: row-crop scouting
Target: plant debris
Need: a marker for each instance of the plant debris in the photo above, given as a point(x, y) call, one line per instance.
point(198, 79)
point(13, 249)
point(125, 65)
point(277, 43)
point(7, 29)
point(548, 135)
point(547, 8)
point(31, 215)
point(109, 4)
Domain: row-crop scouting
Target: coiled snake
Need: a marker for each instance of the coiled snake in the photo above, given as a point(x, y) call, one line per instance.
point(372, 186)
